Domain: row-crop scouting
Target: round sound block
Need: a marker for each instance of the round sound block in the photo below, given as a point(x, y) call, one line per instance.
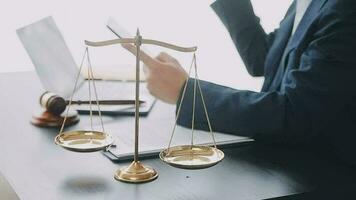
point(191, 157)
point(47, 119)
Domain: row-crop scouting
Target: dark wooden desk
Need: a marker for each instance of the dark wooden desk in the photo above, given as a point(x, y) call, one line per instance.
point(38, 169)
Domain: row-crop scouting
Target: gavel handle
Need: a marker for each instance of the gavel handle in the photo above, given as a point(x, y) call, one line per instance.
point(106, 102)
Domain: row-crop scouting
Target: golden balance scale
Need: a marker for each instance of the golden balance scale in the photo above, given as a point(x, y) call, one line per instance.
point(185, 156)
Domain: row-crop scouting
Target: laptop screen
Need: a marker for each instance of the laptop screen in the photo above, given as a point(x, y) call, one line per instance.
point(50, 55)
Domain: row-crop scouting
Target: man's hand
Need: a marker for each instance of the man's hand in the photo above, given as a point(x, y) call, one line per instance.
point(165, 76)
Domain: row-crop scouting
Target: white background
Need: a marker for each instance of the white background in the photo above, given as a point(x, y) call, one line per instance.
point(184, 22)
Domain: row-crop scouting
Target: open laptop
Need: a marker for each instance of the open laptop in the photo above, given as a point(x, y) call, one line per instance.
point(57, 70)
point(6, 191)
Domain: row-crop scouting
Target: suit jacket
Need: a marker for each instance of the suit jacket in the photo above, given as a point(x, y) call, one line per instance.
point(309, 98)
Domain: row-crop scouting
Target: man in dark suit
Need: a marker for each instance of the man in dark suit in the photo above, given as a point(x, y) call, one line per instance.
point(309, 65)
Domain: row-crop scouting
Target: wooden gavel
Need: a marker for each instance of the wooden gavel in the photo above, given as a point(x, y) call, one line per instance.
point(55, 104)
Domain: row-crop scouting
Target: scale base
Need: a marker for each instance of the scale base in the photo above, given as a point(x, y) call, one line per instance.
point(136, 173)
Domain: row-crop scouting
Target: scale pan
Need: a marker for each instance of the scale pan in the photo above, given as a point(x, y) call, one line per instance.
point(84, 141)
point(191, 157)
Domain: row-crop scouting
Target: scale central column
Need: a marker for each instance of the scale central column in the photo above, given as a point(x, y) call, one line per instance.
point(136, 172)
point(137, 95)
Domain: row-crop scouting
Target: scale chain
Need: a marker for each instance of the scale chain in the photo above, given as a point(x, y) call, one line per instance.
point(196, 83)
point(95, 92)
point(204, 105)
point(180, 105)
point(74, 89)
point(194, 102)
point(90, 102)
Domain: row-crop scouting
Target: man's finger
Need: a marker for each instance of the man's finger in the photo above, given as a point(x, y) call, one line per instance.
point(165, 57)
point(148, 60)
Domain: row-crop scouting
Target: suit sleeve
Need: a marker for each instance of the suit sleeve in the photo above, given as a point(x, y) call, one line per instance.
point(317, 99)
point(246, 32)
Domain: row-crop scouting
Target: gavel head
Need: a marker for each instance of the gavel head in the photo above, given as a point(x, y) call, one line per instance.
point(53, 103)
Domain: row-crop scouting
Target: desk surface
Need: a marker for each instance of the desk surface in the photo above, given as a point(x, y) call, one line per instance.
point(38, 169)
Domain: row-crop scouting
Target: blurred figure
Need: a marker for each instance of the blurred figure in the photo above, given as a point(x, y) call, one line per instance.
point(309, 63)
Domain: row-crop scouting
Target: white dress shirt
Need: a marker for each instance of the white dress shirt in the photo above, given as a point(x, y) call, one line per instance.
point(301, 8)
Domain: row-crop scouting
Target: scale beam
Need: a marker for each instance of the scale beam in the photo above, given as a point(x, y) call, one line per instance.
point(143, 41)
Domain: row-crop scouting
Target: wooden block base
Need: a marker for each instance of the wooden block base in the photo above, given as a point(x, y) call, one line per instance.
point(47, 119)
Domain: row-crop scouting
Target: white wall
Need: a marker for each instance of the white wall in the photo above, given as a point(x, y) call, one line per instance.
point(184, 22)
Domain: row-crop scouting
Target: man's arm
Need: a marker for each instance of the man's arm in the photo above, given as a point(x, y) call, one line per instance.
point(316, 99)
point(246, 32)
